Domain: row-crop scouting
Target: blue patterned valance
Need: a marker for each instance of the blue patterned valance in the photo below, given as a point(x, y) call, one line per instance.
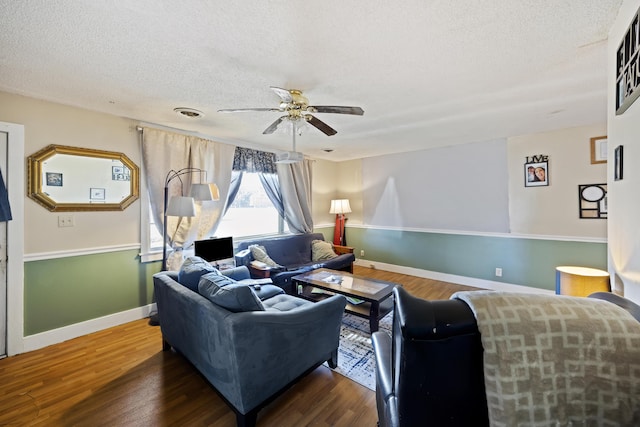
point(248, 160)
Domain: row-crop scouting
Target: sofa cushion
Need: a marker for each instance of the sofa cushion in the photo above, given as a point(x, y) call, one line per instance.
point(321, 250)
point(192, 269)
point(218, 279)
point(268, 291)
point(284, 302)
point(232, 296)
point(259, 253)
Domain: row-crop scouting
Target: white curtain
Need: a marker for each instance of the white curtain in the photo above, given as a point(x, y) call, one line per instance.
point(165, 151)
point(295, 184)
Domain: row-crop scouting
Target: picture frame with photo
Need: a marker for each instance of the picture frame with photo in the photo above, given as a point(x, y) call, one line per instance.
point(593, 201)
point(97, 194)
point(120, 173)
point(536, 174)
point(54, 179)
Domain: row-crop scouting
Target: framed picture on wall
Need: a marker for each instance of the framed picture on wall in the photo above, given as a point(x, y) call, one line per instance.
point(536, 174)
point(617, 170)
point(54, 179)
point(97, 194)
point(598, 150)
point(593, 201)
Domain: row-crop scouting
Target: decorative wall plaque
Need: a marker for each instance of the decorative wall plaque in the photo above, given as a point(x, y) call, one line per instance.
point(628, 67)
point(593, 200)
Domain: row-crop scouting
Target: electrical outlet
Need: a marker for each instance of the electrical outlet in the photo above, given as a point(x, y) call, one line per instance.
point(65, 220)
point(362, 252)
point(498, 272)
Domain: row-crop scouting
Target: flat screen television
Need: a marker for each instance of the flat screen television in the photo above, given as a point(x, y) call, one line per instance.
point(214, 249)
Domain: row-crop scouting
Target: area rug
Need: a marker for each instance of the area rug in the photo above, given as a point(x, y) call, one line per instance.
point(356, 360)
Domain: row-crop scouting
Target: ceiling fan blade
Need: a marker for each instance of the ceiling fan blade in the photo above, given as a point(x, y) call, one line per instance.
point(357, 111)
point(246, 110)
point(284, 94)
point(319, 124)
point(274, 125)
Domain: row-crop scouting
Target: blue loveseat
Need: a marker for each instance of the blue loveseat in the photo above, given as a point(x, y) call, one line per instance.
point(293, 253)
point(249, 357)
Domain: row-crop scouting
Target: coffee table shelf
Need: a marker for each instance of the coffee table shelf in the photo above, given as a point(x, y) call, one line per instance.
point(376, 294)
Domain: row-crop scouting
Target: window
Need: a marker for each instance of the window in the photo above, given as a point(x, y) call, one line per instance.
point(251, 213)
point(155, 236)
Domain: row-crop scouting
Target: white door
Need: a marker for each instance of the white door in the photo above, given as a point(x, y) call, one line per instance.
point(3, 253)
point(12, 164)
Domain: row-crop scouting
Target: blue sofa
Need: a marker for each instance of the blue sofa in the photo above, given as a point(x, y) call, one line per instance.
point(293, 252)
point(249, 357)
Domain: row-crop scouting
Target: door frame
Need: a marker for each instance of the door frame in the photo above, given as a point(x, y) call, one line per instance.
point(15, 175)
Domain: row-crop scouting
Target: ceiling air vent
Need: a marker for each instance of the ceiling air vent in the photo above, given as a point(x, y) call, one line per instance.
point(189, 112)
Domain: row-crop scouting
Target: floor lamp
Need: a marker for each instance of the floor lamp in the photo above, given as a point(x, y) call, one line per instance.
point(340, 207)
point(182, 206)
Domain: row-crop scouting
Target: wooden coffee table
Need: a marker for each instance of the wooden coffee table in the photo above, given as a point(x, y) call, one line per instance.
point(376, 295)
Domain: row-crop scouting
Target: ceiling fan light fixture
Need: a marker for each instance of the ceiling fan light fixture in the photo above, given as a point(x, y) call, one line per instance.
point(288, 157)
point(192, 113)
point(287, 126)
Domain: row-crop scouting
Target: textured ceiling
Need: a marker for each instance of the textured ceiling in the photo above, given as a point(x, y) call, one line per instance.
point(428, 73)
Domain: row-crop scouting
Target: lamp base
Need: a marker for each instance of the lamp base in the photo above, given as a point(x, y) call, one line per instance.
point(154, 320)
point(338, 231)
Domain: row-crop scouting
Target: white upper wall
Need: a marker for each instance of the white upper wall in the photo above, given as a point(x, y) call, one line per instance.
point(332, 180)
point(624, 197)
point(49, 123)
point(462, 187)
point(540, 211)
point(553, 210)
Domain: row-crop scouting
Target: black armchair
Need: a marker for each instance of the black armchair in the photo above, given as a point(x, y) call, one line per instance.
point(430, 372)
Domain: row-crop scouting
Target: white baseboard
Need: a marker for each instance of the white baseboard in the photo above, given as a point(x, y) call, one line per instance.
point(452, 278)
point(55, 336)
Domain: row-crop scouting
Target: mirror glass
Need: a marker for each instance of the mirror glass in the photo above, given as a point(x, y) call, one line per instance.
point(65, 178)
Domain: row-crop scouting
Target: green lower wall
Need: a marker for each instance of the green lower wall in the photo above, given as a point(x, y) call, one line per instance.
point(64, 291)
point(527, 262)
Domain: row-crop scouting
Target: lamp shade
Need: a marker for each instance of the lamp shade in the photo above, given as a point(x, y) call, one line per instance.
point(581, 281)
point(340, 206)
point(204, 192)
point(181, 206)
point(215, 191)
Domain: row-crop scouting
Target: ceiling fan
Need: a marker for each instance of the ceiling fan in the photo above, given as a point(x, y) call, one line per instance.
point(297, 108)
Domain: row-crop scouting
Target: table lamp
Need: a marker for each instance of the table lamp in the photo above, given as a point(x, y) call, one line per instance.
point(581, 281)
point(340, 207)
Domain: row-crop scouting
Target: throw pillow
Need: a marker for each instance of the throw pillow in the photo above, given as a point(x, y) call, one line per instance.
point(259, 253)
point(218, 279)
point(192, 269)
point(322, 251)
point(233, 296)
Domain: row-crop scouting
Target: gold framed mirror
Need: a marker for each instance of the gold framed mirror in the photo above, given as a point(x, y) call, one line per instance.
point(72, 179)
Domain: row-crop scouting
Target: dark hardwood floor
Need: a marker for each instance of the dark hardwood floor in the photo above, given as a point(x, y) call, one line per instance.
point(121, 377)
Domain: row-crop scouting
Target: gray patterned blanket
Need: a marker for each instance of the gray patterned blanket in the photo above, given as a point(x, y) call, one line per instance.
point(557, 361)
